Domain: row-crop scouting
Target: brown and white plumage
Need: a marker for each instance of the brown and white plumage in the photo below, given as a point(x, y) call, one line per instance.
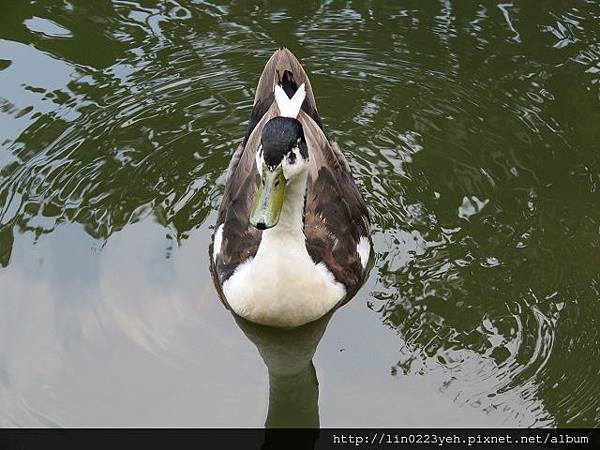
point(335, 225)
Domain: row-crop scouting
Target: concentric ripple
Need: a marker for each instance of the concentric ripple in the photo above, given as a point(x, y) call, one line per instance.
point(472, 129)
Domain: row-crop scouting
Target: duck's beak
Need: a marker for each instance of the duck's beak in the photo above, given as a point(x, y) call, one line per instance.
point(269, 199)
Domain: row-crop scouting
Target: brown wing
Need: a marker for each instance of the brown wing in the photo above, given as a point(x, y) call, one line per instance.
point(240, 240)
point(336, 215)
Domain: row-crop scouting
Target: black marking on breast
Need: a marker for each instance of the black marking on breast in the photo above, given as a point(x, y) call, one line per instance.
point(303, 149)
point(291, 157)
point(304, 210)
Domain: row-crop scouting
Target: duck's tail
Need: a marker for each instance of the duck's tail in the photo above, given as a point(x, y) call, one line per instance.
point(284, 69)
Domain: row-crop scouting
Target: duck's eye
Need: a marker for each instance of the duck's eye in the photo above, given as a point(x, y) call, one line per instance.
point(263, 181)
point(291, 157)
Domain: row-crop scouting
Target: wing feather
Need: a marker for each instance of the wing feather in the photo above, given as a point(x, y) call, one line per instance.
point(336, 214)
point(240, 239)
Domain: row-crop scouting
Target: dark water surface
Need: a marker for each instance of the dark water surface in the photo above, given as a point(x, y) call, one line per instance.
point(473, 131)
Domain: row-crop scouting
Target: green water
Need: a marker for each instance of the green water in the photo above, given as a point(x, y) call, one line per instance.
point(473, 132)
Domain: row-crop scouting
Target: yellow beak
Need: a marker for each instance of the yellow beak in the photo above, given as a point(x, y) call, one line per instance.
point(269, 199)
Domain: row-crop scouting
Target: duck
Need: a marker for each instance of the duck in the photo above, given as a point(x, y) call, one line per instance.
point(292, 238)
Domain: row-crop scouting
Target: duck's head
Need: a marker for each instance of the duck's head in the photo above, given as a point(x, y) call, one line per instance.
point(281, 157)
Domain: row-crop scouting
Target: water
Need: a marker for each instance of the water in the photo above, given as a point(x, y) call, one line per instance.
point(472, 130)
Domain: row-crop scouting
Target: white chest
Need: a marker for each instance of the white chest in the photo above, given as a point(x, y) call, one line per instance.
point(281, 285)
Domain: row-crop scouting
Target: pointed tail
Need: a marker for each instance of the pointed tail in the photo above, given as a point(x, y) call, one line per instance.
point(283, 70)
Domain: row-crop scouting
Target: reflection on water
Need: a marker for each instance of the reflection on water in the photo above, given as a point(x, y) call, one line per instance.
point(293, 384)
point(471, 129)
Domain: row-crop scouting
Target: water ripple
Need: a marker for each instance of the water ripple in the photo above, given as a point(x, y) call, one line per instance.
point(471, 129)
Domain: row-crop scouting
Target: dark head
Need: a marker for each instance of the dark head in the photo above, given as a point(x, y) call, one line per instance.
point(279, 137)
point(281, 156)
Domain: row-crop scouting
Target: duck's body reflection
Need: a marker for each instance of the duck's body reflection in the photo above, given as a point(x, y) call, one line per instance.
point(293, 384)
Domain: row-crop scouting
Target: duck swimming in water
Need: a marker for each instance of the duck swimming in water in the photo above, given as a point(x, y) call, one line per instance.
point(292, 238)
